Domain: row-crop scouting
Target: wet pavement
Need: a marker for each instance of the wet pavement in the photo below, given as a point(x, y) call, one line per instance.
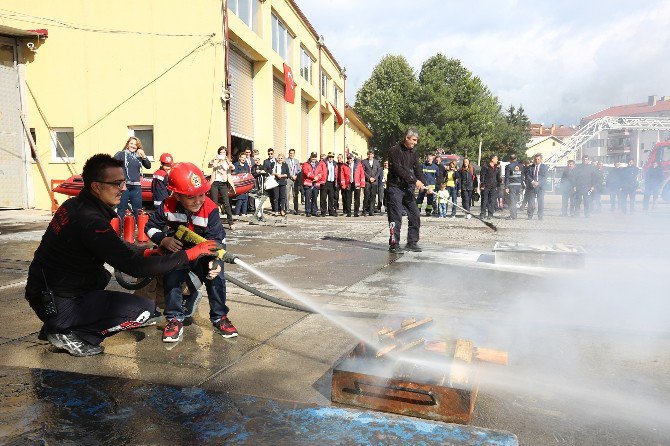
point(559, 347)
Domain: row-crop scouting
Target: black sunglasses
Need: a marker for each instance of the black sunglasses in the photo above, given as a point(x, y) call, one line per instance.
point(119, 184)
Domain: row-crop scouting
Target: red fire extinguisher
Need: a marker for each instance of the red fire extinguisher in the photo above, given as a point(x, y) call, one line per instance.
point(116, 225)
point(142, 220)
point(129, 227)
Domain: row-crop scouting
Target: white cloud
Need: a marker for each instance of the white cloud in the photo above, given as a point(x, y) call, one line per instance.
point(561, 61)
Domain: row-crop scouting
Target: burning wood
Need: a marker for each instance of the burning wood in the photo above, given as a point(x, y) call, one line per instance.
point(400, 347)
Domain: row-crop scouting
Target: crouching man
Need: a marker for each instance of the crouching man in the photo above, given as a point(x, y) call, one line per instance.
point(67, 279)
point(189, 206)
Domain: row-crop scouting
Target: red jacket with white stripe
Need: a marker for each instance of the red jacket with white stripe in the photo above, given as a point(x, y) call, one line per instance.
point(159, 190)
point(322, 169)
point(169, 215)
point(310, 175)
point(359, 175)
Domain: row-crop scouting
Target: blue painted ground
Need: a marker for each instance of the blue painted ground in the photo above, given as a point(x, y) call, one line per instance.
point(51, 407)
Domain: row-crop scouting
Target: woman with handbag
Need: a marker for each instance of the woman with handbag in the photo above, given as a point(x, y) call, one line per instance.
point(221, 169)
point(467, 182)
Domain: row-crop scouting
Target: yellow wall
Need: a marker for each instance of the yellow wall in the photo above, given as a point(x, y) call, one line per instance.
point(80, 77)
point(547, 148)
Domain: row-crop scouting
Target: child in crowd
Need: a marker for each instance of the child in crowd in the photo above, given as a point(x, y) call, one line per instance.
point(159, 183)
point(442, 200)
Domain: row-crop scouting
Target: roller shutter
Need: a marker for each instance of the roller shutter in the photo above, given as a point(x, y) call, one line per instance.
point(12, 157)
point(279, 116)
point(241, 96)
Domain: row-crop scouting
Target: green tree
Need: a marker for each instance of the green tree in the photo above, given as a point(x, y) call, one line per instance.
point(384, 101)
point(511, 134)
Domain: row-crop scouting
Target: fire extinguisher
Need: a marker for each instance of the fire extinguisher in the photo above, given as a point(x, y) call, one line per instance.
point(129, 227)
point(116, 222)
point(142, 220)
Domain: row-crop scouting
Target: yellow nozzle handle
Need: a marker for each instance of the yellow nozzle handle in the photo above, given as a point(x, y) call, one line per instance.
point(184, 234)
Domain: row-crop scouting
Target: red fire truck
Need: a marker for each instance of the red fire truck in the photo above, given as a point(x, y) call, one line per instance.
point(661, 155)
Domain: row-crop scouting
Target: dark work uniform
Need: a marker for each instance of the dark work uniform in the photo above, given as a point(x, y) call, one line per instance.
point(70, 258)
point(568, 192)
point(404, 170)
point(585, 183)
point(628, 188)
point(513, 181)
point(430, 172)
point(490, 180)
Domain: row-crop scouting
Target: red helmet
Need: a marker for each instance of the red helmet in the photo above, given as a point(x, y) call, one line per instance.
point(166, 159)
point(187, 179)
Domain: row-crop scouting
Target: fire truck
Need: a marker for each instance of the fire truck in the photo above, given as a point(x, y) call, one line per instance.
point(661, 154)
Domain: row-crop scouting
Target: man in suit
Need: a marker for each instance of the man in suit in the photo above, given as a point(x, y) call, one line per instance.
point(536, 178)
point(269, 166)
point(371, 169)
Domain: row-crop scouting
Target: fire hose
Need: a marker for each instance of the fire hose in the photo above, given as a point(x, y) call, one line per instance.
point(186, 235)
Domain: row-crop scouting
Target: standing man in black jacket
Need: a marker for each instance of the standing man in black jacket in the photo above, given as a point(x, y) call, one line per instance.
point(371, 169)
point(403, 177)
point(513, 180)
point(628, 186)
point(490, 179)
point(535, 179)
point(585, 184)
point(67, 279)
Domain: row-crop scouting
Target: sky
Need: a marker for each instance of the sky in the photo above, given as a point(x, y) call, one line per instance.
point(561, 60)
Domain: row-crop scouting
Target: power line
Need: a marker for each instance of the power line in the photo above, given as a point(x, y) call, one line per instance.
point(208, 40)
point(59, 24)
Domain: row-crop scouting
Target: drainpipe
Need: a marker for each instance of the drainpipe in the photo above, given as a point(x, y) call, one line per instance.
point(226, 63)
point(319, 44)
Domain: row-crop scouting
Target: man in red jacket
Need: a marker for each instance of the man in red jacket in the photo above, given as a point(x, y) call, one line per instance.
point(311, 181)
point(353, 179)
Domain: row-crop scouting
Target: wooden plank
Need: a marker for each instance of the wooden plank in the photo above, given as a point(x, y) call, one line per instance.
point(492, 356)
point(408, 327)
point(460, 366)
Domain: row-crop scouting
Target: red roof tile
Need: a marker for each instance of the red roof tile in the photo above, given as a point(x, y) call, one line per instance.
point(642, 108)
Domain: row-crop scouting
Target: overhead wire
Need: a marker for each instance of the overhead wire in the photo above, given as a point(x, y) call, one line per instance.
point(116, 107)
point(60, 24)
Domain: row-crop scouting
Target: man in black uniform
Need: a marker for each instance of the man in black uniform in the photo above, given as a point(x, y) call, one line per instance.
point(67, 279)
point(404, 176)
point(490, 180)
point(585, 184)
point(513, 180)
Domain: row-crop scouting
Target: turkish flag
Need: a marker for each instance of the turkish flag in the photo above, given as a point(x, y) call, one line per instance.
point(338, 115)
point(289, 91)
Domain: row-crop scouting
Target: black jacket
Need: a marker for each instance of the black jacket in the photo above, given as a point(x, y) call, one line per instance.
point(585, 176)
point(654, 176)
point(490, 177)
point(404, 167)
point(371, 170)
point(76, 245)
point(467, 179)
point(513, 174)
point(568, 180)
point(629, 177)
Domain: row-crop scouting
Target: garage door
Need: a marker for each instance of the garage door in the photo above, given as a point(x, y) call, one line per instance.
point(12, 157)
point(241, 96)
point(279, 116)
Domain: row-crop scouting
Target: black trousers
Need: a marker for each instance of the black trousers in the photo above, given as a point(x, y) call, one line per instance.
point(583, 194)
point(397, 199)
point(274, 198)
point(310, 193)
point(219, 194)
point(97, 314)
point(489, 198)
point(347, 194)
point(327, 199)
point(369, 196)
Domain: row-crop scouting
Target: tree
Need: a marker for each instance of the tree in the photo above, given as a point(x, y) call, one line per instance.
point(384, 101)
point(511, 135)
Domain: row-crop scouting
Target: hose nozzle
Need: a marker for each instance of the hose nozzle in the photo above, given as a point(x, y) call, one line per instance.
point(229, 258)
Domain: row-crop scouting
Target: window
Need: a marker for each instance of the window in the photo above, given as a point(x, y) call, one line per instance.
point(145, 133)
point(336, 95)
point(62, 144)
point(246, 10)
point(306, 62)
point(324, 84)
point(281, 39)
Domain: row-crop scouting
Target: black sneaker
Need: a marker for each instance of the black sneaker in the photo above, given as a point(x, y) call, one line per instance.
point(173, 331)
point(395, 249)
point(413, 247)
point(225, 328)
point(73, 344)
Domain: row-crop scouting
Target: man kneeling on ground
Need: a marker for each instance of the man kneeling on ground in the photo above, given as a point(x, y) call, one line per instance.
point(67, 278)
point(189, 206)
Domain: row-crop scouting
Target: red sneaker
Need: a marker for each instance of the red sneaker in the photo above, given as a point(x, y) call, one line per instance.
point(225, 328)
point(173, 331)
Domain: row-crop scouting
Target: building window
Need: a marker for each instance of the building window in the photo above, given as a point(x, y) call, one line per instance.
point(145, 133)
point(324, 84)
point(306, 62)
point(246, 10)
point(281, 39)
point(336, 95)
point(62, 144)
